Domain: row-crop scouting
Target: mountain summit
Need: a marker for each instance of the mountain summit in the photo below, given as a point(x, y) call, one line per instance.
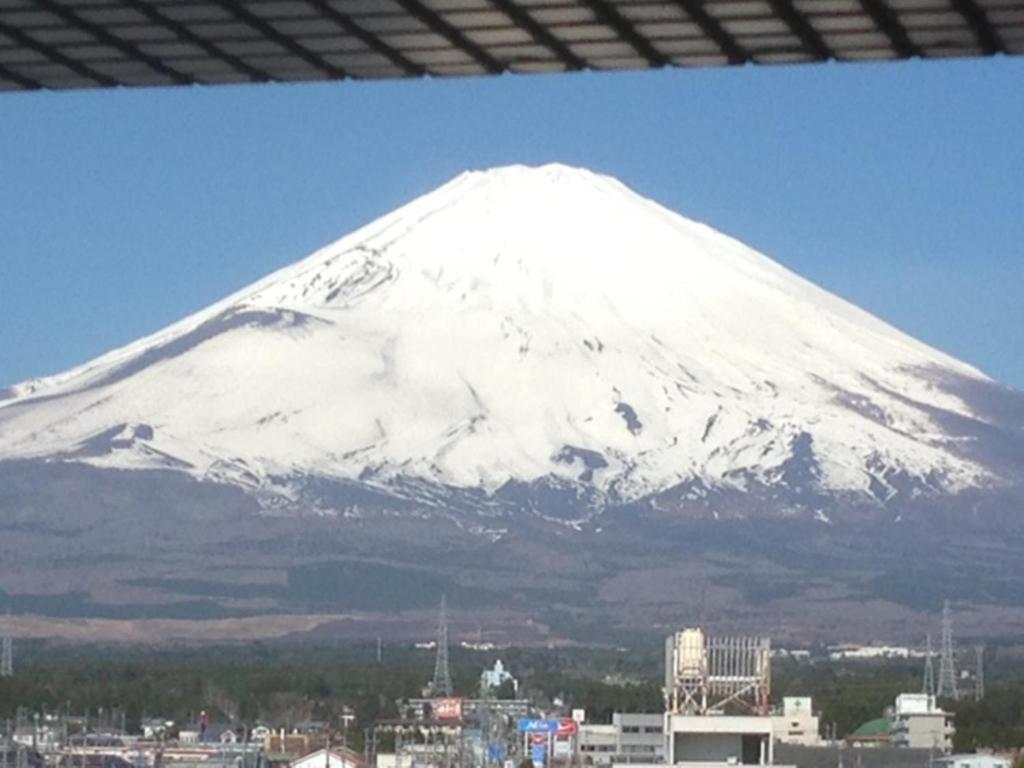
point(535, 342)
point(517, 324)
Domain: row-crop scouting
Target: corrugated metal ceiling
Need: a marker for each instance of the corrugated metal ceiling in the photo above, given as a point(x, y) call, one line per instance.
point(102, 43)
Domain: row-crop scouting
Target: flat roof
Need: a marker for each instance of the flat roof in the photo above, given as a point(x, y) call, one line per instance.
point(60, 44)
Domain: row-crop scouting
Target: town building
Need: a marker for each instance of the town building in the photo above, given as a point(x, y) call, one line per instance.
point(979, 760)
point(596, 744)
point(493, 679)
point(337, 757)
point(919, 723)
point(873, 733)
point(796, 723)
point(640, 738)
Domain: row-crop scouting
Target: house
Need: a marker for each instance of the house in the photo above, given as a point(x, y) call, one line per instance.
point(156, 728)
point(338, 757)
point(873, 733)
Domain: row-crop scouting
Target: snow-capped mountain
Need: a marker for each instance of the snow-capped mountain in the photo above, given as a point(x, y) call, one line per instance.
point(524, 326)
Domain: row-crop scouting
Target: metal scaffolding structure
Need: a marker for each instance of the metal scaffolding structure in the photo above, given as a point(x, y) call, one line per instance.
point(706, 675)
point(62, 44)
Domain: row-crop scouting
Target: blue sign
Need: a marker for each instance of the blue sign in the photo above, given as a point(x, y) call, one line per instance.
point(529, 725)
point(496, 752)
point(538, 754)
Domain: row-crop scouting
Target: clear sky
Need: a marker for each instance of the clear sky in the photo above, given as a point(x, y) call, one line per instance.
point(899, 187)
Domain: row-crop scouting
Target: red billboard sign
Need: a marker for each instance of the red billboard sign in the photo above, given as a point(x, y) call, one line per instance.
point(567, 727)
point(447, 709)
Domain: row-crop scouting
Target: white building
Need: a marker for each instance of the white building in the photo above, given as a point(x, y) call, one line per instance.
point(492, 679)
point(796, 723)
point(719, 739)
point(872, 652)
point(918, 723)
point(640, 737)
point(596, 744)
point(974, 761)
point(339, 758)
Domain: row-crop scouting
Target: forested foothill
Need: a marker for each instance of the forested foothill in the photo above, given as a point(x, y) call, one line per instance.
point(282, 686)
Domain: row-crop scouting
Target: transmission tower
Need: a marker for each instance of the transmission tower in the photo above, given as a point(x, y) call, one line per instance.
point(7, 657)
point(947, 666)
point(979, 673)
point(929, 668)
point(442, 683)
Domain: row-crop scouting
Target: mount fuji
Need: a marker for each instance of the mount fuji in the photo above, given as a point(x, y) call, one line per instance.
point(523, 354)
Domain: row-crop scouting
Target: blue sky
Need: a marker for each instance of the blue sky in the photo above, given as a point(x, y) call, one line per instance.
point(899, 187)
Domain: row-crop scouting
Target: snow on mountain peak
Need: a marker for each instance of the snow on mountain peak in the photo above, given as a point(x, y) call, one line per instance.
point(515, 324)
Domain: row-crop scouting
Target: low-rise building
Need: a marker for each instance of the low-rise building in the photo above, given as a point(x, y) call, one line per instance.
point(640, 738)
point(873, 733)
point(979, 760)
point(719, 739)
point(338, 757)
point(795, 722)
point(596, 743)
point(919, 723)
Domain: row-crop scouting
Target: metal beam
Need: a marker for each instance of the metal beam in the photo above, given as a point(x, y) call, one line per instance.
point(11, 76)
point(978, 21)
point(888, 23)
point(540, 33)
point(269, 31)
point(453, 35)
point(802, 28)
point(713, 28)
point(54, 55)
point(104, 35)
point(186, 35)
point(368, 39)
point(607, 14)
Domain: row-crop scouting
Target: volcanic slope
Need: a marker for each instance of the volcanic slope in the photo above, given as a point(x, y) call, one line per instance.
point(521, 325)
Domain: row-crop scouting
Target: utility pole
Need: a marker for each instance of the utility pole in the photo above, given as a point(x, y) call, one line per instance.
point(947, 666)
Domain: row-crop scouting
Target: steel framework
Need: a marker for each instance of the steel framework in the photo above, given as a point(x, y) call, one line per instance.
point(61, 44)
point(441, 685)
point(947, 659)
point(707, 675)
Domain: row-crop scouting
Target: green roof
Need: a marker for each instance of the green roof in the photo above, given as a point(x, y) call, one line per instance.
point(880, 726)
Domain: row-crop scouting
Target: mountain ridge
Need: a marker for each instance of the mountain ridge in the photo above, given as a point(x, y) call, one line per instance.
point(458, 275)
point(527, 365)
